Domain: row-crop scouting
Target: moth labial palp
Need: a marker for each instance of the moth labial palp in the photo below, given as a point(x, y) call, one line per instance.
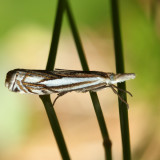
point(42, 82)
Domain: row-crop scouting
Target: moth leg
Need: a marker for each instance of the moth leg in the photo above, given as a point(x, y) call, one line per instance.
point(122, 90)
point(99, 88)
point(94, 88)
point(119, 96)
point(58, 95)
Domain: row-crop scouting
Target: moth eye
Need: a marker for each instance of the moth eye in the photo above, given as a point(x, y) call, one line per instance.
point(111, 77)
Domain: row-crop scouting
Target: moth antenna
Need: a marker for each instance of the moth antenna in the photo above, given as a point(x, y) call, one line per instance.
point(59, 95)
point(112, 87)
point(122, 90)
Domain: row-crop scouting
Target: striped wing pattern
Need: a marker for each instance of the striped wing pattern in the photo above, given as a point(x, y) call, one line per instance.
point(46, 82)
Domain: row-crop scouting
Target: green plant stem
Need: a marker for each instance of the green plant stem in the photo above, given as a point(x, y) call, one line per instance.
point(55, 36)
point(106, 140)
point(76, 37)
point(94, 97)
point(55, 126)
point(46, 98)
point(123, 111)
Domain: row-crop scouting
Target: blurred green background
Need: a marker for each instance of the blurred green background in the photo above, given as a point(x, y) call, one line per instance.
point(25, 35)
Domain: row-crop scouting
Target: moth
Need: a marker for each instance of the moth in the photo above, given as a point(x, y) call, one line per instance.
point(60, 81)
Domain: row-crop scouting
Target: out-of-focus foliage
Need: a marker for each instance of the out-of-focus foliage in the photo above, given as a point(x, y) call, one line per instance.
point(142, 47)
point(88, 12)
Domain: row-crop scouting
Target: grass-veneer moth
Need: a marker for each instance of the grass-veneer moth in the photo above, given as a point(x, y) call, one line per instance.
point(60, 81)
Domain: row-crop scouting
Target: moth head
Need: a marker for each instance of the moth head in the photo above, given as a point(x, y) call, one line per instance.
point(10, 81)
point(118, 78)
